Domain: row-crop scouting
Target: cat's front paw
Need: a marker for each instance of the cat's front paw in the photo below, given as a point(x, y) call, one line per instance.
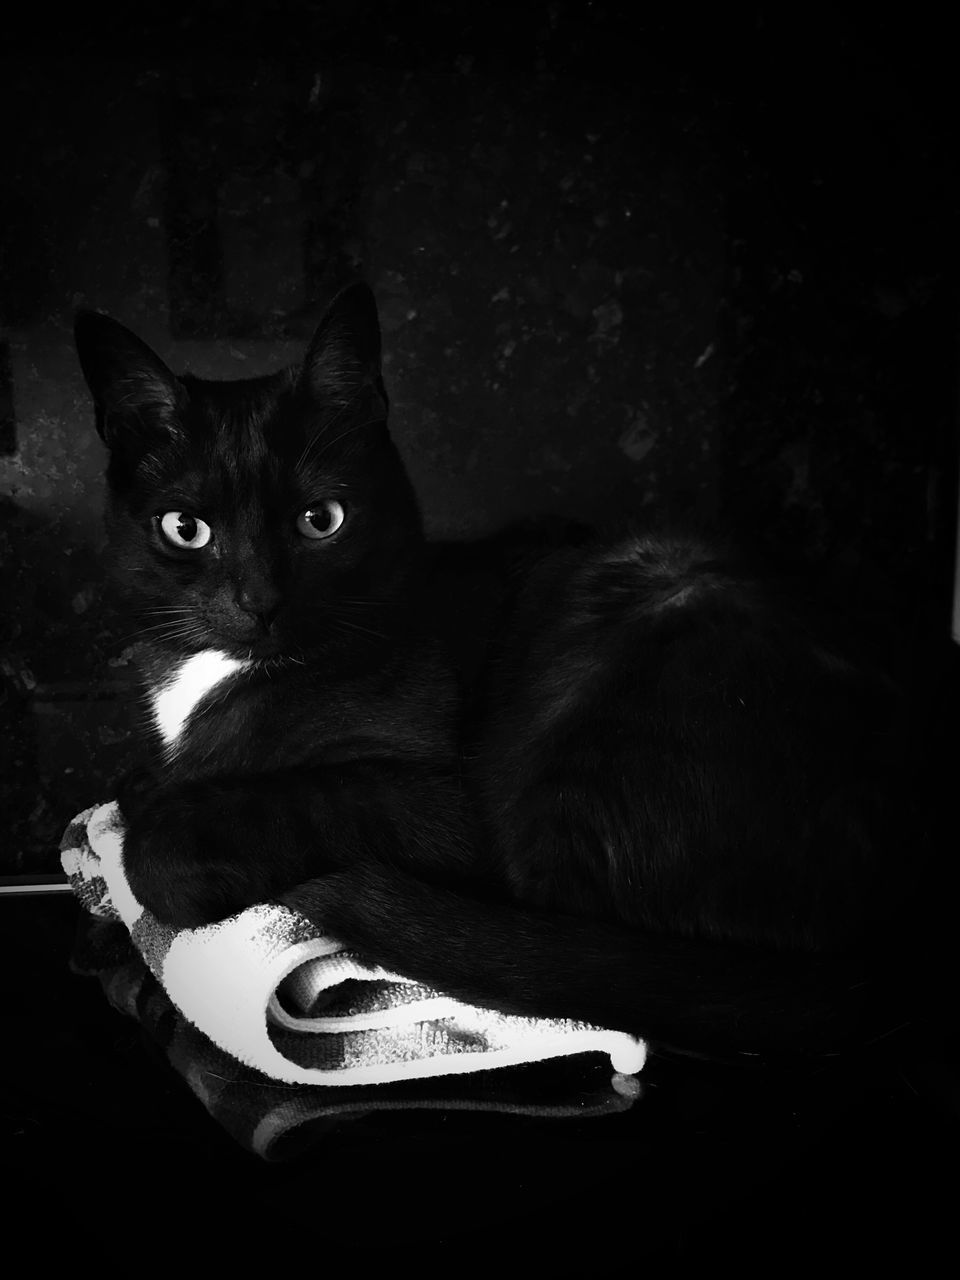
point(186, 867)
point(134, 791)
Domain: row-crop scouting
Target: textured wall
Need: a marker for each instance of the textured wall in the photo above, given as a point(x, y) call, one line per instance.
point(702, 273)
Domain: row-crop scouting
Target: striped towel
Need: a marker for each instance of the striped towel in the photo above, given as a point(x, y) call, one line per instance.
point(268, 989)
point(278, 1121)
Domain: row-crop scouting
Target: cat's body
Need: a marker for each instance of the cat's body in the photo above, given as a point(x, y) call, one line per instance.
point(671, 808)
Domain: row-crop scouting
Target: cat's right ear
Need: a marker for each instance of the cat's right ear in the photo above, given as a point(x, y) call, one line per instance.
point(135, 395)
point(342, 364)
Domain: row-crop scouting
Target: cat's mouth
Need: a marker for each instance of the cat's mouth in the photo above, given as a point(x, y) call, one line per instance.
point(245, 648)
point(261, 649)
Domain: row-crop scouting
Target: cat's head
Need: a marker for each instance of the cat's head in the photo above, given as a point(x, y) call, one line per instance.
point(266, 517)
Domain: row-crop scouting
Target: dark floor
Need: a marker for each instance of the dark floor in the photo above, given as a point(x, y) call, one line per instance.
point(846, 1165)
point(710, 272)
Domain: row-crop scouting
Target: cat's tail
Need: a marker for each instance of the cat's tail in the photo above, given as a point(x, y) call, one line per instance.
point(689, 995)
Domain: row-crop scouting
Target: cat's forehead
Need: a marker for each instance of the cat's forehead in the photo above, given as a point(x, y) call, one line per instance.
point(255, 442)
point(238, 452)
point(253, 419)
point(257, 414)
point(260, 392)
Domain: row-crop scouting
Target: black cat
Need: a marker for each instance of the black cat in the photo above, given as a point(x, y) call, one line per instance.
point(644, 792)
point(265, 536)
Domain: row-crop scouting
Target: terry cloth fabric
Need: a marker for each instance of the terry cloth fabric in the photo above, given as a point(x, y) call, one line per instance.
point(278, 1121)
point(271, 991)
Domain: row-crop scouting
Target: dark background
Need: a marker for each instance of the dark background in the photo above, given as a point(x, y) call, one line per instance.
point(693, 264)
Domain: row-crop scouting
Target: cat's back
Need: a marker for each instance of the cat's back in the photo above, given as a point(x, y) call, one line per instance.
point(618, 620)
point(663, 719)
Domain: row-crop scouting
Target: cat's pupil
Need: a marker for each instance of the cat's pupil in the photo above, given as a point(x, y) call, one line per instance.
point(187, 528)
point(321, 520)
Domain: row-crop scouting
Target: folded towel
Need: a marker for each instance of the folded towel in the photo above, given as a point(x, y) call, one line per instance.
point(279, 1122)
point(271, 991)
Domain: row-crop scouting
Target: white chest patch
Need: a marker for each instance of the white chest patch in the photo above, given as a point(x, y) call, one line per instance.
point(186, 686)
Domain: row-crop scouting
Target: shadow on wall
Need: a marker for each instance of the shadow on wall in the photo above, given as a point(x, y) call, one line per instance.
point(66, 699)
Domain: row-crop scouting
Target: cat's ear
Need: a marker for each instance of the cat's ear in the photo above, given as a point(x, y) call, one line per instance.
point(135, 394)
point(342, 364)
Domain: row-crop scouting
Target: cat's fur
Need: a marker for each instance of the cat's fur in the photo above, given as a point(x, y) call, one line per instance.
point(680, 813)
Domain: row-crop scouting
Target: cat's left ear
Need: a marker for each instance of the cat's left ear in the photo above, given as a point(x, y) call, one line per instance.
point(342, 364)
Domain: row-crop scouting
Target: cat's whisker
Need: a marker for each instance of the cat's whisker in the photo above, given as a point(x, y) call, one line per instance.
point(158, 626)
point(369, 603)
point(315, 444)
point(357, 426)
point(318, 437)
point(355, 626)
point(131, 637)
point(167, 632)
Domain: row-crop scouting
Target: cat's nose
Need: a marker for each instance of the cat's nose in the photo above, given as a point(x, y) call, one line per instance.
point(262, 604)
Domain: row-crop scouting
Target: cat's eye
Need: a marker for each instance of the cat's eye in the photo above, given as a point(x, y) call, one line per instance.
point(322, 520)
point(182, 530)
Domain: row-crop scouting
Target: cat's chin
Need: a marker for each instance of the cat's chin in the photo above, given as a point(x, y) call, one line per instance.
point(263, 649)
point(266, 650)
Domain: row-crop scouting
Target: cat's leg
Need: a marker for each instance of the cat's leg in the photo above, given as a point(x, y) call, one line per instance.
point(134, 790)
point(201, 851)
